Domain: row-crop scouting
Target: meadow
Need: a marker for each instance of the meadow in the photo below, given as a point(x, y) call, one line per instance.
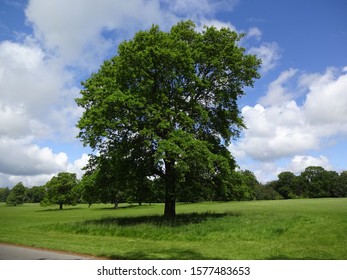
point(282, 229)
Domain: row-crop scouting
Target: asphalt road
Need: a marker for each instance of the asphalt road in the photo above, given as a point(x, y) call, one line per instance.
point(10, 252)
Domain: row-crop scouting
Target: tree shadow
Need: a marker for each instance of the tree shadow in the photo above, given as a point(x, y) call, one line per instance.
point(111, 207)
point(160, 254)
point(159, 220)
point(59, 210)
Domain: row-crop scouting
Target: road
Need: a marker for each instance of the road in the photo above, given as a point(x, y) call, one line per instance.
point(11, 252)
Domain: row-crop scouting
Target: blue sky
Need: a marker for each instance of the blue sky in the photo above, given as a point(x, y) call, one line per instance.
point(296, 114)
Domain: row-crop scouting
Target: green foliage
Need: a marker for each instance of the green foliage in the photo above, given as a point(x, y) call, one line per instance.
point(35, 194)
point(87, 188)
point(340, 188)
point(4, 192)
point(166, 106)
point(62, 190)
point(267, 192)
point(314, 182)
point(286, 184)
point(16, 196)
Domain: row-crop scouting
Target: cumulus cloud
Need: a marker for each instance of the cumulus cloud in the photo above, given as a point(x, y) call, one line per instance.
point(277, 93)
point(42, 178)
point(74, 29)
point(278, 128)
point(27, 79)
point(78, 165)
point(254, 32)
point(269, 53)
point(35, 104)
point(20, 157)
point(299, 163)
point(275, 132)
point(326, 101)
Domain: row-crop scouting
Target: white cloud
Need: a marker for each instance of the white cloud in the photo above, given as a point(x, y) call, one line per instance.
point(275, 132)
point(269, 53)
point(27, 79)
point(277, 93)
point(28, 181)
point(326, 102)
point(34, 166)
point(279, 128)
point(254, 32)
point(36, 103)
point(74, 28)
point(20, 157)
point(299, 163)
point(78, 165)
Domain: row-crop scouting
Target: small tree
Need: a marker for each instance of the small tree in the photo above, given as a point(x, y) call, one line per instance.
point(17, 195)
point(61, 190)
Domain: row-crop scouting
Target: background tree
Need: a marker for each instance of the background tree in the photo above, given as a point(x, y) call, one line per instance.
point(166, 106)
point(267, 191)
point(61, 190)
point(251, 181)
point(4, 192)
point(35, 194)
point(17, 195)
point(316, 182)
point(340, 189)
point(286, 185)
point(331, 179)
point(87, 188)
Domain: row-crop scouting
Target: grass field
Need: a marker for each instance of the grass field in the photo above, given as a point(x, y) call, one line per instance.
point(285, 229)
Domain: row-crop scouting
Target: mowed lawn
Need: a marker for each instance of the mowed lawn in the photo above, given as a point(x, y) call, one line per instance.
point(284, 229)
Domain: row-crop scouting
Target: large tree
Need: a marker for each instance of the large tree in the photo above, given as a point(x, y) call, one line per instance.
point(166, 107)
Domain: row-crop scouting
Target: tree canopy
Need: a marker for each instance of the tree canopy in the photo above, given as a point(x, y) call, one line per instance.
point(17, 195)
point(61, 190)
point(166, 107)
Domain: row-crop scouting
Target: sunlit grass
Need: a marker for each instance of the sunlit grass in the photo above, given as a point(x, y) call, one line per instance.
point(287, 229)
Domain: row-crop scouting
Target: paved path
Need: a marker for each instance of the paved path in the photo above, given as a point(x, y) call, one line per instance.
point(12, 252)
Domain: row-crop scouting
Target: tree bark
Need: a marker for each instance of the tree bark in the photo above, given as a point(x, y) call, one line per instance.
point(170, 191)
point(170, 208)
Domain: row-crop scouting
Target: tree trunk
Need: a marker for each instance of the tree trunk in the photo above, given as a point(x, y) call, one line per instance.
point(170, 208)
point(170, 191)
point(60, 206)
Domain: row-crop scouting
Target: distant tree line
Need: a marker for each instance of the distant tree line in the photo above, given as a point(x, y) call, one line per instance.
point(314, 182)
point(65, 189)
point(62, 189)
point(20, 194)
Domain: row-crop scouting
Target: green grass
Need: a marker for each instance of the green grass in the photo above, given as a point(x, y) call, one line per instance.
point(286, 229)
